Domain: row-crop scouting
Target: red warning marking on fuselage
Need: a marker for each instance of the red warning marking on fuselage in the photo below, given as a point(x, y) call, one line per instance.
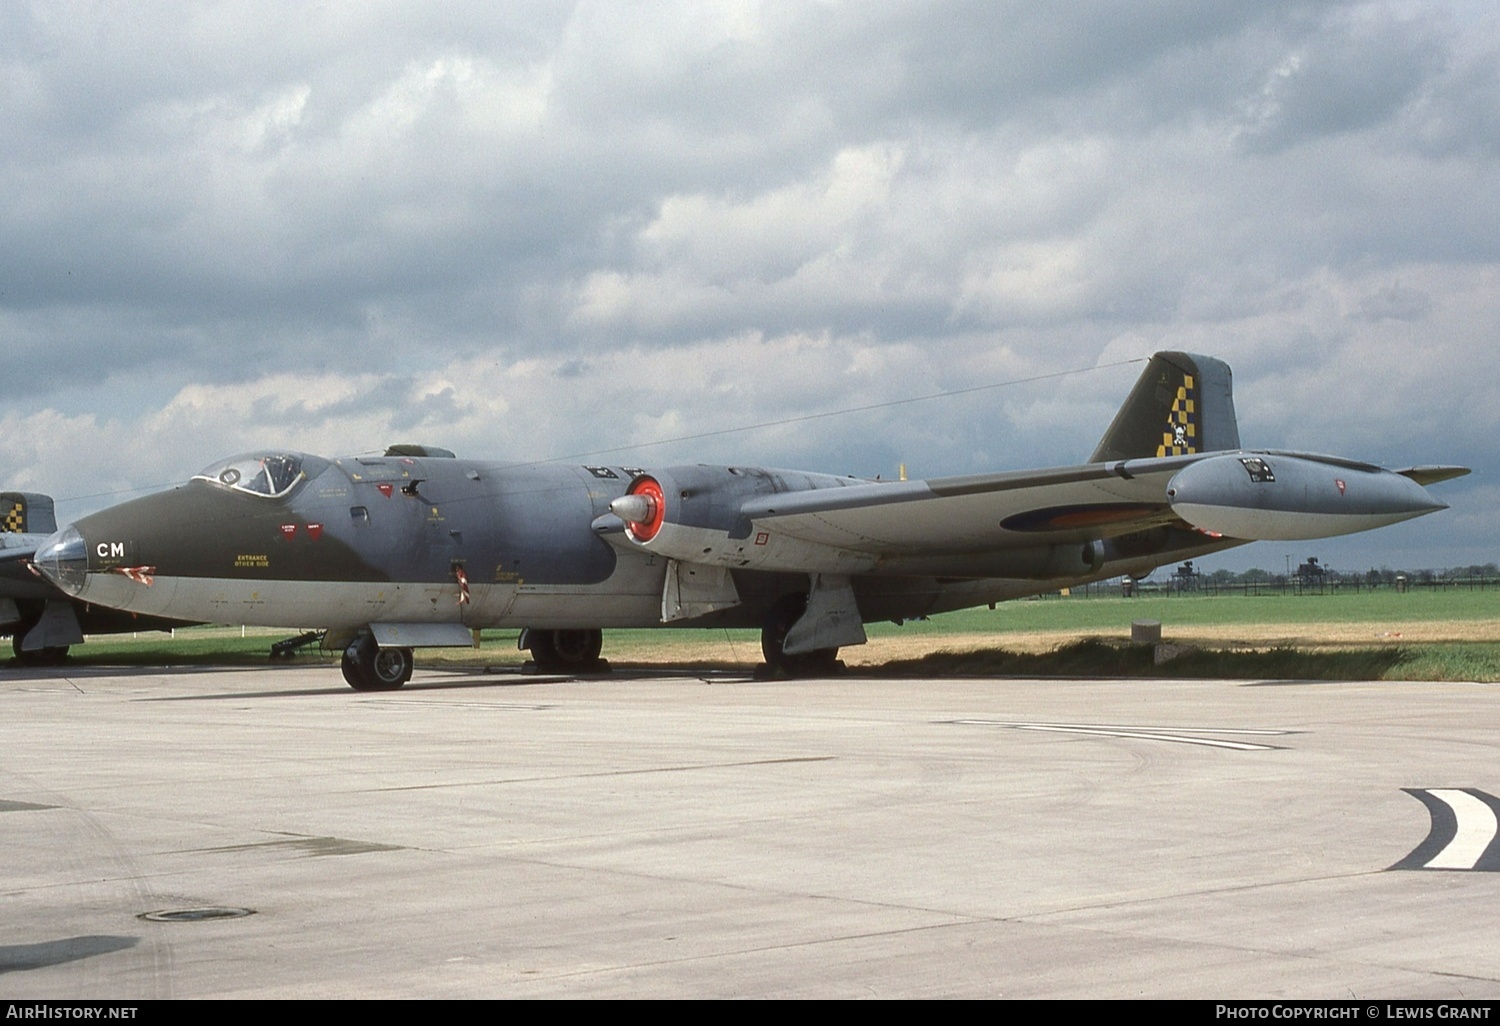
point(289, 531)
point(315, 531)
point(386, 490)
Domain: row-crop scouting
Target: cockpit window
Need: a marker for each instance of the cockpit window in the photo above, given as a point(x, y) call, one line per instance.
point(271, 474)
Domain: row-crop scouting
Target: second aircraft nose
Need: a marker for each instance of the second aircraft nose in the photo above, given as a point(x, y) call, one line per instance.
point(63, 560)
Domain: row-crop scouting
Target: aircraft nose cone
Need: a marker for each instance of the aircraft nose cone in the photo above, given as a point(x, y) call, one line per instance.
point(63, 560)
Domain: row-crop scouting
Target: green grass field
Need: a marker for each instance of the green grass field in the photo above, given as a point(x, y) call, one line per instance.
point(1085, 615)
point(1451, 634)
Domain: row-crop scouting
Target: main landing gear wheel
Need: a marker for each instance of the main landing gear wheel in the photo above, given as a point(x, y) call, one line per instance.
point(368, 667)
point(573, 651)
point(786, 612)
point(50, 656)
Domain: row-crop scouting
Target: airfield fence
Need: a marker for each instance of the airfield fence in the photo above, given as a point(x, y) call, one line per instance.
point(1203, 586)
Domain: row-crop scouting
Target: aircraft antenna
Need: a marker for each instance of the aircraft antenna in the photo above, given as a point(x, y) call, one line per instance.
point(804, 418)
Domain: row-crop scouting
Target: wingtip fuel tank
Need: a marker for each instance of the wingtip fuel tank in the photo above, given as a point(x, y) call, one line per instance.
point(1280, 497)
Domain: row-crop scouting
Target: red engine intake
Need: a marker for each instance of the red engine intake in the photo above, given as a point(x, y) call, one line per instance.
point(643, 508)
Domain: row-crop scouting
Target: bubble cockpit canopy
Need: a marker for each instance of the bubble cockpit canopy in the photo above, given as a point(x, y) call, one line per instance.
point(268, 474)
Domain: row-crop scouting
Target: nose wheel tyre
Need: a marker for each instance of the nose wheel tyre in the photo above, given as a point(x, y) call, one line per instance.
point(368, 667)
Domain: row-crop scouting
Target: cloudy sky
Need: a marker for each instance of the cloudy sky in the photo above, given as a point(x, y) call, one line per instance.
point(531, 230)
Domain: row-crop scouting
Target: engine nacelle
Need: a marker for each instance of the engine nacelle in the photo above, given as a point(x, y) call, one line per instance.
point(693, 514)
point(1062, 562)
point(1277, 497)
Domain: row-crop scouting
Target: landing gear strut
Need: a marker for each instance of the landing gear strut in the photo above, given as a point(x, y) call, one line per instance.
point(573, 651)
point(786, 612)
point(368, 667)
point(49, 656)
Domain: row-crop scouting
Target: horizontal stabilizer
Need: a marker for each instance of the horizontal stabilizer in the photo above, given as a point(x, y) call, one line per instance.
point(1426, 475)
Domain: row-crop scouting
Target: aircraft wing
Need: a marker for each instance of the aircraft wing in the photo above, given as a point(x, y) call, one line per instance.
point(16, 576)
point(1052, 523)
point(14, 559)
point(978, 512)
point(18, 547)
point(1242, 495)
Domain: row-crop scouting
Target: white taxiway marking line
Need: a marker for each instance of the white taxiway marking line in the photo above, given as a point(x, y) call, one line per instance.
point(1477, 827)
point(1239, 746)
point(1151, 734)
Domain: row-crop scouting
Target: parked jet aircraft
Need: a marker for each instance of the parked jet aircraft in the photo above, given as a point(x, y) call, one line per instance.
point(41, 620)
point(417, 548)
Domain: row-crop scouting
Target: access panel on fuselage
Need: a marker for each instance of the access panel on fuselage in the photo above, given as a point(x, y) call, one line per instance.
point(504, 528)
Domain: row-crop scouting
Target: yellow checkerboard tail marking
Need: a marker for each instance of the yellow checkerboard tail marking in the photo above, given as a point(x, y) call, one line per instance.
point(14, 521)
point(1181, 435)
point(1182, 405)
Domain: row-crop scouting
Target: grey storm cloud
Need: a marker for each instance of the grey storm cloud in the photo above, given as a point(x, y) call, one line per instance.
point(338, 223)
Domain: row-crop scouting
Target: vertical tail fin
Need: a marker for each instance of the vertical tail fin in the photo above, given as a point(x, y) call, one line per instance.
point(26, 513)
point(1182, 403)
